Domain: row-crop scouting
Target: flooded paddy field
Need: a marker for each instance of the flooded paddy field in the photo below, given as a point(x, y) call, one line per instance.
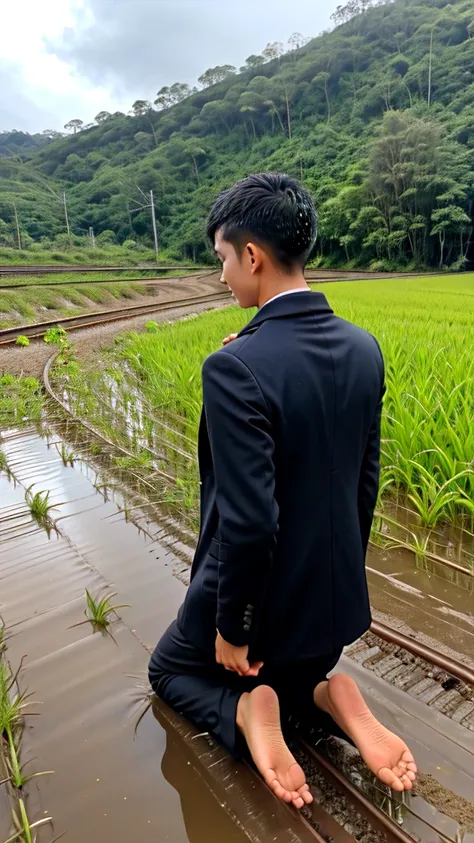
point(107, 780)
point(90, 687)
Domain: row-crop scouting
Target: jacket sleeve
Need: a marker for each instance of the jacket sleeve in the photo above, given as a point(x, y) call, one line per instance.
point(242, 448)
point(370, 470)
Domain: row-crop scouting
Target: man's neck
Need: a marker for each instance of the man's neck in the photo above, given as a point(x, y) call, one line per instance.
point(282, 284)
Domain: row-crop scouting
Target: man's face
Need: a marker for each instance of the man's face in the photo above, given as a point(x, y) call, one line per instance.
point(238, 271)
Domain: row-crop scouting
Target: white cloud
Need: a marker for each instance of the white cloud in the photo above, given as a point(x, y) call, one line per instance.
point(41, 90)
point(63, 59)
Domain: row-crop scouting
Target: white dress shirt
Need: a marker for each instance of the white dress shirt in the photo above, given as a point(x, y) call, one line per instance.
point(286, 293)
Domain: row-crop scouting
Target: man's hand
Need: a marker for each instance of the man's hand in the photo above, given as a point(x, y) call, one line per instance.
point(235, 658)
point(229, 339)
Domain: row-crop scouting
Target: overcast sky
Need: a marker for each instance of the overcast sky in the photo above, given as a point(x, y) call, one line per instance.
point(61, 59)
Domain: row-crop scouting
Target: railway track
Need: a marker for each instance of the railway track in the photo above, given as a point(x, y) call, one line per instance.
point(45, 269)
point(200, 274)
point(88, 320)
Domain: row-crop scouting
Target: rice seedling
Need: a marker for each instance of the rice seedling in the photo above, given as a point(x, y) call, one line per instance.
point(3, 461)
point(98, 610)
point(419, 545)
point(24, 827)
point(40, 507)
point(68, 457)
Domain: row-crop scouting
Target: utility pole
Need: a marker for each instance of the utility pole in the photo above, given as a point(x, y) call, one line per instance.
point(66, 216)
point(92, 236)
point(17, 225)
point(431, 65)
point(152, 205)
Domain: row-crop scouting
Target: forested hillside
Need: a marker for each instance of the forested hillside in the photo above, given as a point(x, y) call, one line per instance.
point(376, 117)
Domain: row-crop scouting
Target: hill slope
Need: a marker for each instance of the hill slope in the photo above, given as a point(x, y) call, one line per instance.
point(377, 118)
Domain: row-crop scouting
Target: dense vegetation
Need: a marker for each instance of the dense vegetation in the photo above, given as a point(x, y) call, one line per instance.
point(377, 118)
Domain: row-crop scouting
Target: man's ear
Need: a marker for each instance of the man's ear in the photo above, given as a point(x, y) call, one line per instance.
point(255, 256)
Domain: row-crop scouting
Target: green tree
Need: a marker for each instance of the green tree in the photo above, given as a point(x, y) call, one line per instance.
point(102, 116)
point(76, 125)
point(450, 220)
point(216, 74)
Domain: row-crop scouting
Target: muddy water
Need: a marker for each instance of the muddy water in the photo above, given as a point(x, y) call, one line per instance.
point(428, 602)
point(107, 784)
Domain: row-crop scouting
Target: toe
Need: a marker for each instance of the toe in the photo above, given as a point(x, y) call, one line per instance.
point(388, 777)
point(306, 794)
point(278, 790)
point(298, 802)
point(411, 775)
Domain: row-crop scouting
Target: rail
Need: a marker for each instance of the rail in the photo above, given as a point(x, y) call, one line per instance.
point(88, 320)
point(26, 284)
point(46, 269)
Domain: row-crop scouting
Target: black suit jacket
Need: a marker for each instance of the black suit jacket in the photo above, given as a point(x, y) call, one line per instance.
point(289, 447)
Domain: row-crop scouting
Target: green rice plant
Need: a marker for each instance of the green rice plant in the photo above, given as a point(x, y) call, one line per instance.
point(24, 827)
point(431, 499)
point(3, 461)
point(20, 400)
point(98, 611)
point(68, 457)
point(40, 507)
point(22, 340)
point(419, 545)
point(152, 326)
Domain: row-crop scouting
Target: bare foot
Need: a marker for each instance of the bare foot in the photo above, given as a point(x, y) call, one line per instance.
point(384, 753)
point(258, 717)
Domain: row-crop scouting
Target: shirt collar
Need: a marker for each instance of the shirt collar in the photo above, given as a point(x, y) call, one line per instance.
point(284, 306)
point(285, 293)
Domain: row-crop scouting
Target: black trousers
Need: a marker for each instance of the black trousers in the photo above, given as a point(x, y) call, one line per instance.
point(202, 691)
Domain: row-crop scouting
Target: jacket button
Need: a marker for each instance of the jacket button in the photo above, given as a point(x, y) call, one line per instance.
point(246, 627)
point(249, 607)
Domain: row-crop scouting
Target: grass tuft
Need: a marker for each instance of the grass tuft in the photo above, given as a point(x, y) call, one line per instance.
point(98, 611)
point(40, 507)
point(22, 341)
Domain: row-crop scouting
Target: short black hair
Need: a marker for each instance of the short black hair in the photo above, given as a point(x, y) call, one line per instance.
point(273, 209)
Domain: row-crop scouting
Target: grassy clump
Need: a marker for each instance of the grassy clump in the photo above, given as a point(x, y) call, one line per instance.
point(20, 400)
point(56, 336)
point(40, 507)
point(98, 610)
point(22, 341)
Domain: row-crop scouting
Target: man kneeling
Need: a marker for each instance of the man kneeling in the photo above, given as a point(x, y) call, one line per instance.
point(289, 462)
